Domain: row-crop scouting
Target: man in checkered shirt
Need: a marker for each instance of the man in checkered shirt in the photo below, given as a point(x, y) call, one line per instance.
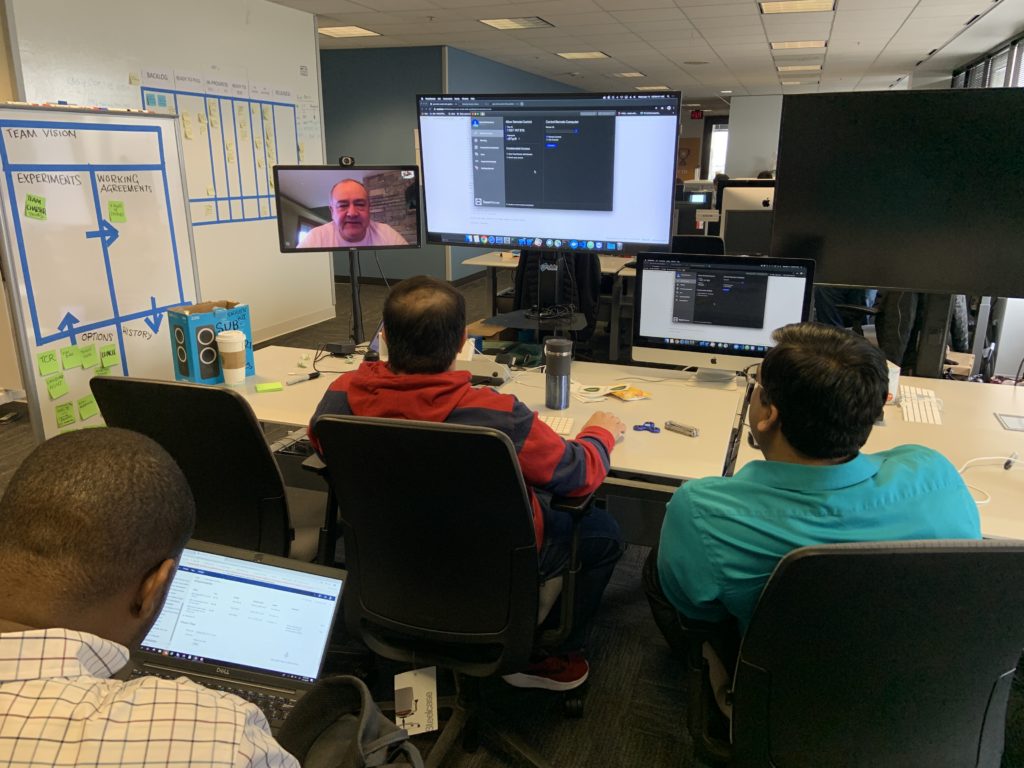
point(91, 528)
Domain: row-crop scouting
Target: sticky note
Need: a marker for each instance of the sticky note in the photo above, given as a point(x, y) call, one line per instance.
point(270, 386)
point(133, 78)
point(35, 207)
point(90, 357)
point(47, 362)
point(210, 191)
point(108, 356)
point(71, 357)
point(102, 371)
point(115, 211)
point(57, 386)
point(65, 415)
point(87, 407)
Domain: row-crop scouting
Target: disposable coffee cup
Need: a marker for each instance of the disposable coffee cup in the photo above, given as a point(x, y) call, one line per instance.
point(231, 347)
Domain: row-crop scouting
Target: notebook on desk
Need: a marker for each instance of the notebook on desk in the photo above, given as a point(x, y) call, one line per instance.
point(244, 622)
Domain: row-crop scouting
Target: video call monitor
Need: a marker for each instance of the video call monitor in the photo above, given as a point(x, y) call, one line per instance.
point(329, 208)
point(715, 312)
point(585, 172)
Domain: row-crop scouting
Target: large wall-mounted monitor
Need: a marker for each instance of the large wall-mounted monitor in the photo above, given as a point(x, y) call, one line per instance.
point(715, 312)
point(556, 172)
point(912, 190)
point(330, 208)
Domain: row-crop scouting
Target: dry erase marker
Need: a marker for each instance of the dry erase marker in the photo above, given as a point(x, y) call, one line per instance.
point(682, 429)
point(303, 377)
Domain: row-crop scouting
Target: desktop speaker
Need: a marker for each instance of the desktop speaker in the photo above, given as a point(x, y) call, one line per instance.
point(180, 351)
point(206, 344)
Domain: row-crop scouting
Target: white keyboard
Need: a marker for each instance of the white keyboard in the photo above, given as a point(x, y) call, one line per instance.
point(560, 424)
point(919, 405)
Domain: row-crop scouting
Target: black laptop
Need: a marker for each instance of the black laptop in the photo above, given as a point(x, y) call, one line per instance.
point(244, 622)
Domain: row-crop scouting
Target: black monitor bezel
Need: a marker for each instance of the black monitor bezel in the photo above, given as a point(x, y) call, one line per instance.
point(343, 170)
point(628, 247)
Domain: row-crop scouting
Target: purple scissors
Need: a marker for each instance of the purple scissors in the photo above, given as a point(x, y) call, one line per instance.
point(647, 426)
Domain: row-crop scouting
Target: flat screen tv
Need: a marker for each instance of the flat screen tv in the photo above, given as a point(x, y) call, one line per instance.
point(910, 190)
point(554, 172)
point(330, 208)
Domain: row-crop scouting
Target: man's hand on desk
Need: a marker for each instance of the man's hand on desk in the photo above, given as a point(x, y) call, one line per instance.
point(609, 421)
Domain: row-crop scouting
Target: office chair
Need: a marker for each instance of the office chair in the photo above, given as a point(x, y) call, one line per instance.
point(877, 654)
point(709, 244)
point(442, 557)
point(580, 285)
point(213, 435)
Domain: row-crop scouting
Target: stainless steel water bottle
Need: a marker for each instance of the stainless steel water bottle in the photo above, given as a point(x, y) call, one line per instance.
point(557, 360)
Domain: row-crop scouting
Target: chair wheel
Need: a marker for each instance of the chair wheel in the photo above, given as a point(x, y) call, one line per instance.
point(572, 705)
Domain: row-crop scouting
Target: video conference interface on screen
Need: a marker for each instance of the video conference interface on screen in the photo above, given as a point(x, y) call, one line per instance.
point(726, 308)
point(564, 171)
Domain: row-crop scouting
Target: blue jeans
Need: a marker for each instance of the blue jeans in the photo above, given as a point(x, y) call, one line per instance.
point(600, 548)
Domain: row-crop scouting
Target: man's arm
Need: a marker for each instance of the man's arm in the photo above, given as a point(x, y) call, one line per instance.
point(258, 749)
point(568, 467)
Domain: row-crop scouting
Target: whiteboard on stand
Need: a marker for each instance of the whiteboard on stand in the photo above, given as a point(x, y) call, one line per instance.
point(96, 246)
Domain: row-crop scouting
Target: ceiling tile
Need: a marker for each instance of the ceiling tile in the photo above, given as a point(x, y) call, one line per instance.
point(651, 14)
point(719, 10)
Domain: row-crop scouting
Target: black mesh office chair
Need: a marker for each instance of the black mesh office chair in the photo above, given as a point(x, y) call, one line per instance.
point(213, 435)
point(712, 245)
point(880, 654)
point(580, 285)
point(441, 555)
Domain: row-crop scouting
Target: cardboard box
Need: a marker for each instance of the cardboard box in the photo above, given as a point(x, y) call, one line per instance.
point(194, 329)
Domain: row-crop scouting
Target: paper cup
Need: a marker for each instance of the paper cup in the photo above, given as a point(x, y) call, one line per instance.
point(231, 346)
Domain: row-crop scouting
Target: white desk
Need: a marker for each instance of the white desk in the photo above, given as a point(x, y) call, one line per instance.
point(968, 430)
point(610, 265)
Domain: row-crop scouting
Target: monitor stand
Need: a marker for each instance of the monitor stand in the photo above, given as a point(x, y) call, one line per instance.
point(357, 307)
point(716, 378)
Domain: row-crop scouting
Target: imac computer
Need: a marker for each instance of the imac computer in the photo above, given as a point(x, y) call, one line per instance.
point(715, 312)
point(745, 223)
point(333, 208)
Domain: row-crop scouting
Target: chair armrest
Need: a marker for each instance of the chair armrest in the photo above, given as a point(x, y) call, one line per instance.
point(577, 506)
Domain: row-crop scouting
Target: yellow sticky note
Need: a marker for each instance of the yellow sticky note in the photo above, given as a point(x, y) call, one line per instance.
point(115, 211)
point(108, 356)
point(133, 78)
point(102, 371)
point(65, 415)
point(201, 118)
point(47, 362)
point(230, 157)
point(57, 386)
point(208, 210)
point(257, 143)
point(270, 386)
point(90, 357)
point(259, 161)
point(87, 407)
point(35, 207)
point(71, 357)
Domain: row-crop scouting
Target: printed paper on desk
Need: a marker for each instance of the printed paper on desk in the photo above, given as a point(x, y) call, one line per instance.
point(416, 700)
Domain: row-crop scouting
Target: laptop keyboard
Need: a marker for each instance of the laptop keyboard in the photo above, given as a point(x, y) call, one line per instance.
point(275, 708)
point(920, 405)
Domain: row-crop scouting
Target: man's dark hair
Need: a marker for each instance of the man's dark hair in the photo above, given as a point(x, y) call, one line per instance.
point(424, 323)
point(829, 386)
point(89, 513)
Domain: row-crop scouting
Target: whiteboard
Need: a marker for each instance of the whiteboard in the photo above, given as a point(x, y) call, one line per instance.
point(244, 77)
point(96, 247)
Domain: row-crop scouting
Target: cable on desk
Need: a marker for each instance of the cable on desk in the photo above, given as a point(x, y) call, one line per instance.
point(320, 354)
point(1008, 463)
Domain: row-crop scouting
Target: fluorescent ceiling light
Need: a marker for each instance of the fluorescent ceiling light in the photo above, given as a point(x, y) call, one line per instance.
point(800, 68)
point(584, 55)
point(526, 22)
point(798, 44)
point(651, 87)
point(726, 92)
point(798, 6)
point(347, 32)
point(628, 74)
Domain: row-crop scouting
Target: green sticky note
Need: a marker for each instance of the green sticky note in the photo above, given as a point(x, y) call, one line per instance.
point(115, 211)
point(35, 207)
point(90, 357)
point(102, 372)
point(87, 407)
point(47, 362)
point(57, 386)
point(270, 386)
point(65, 415)
point(108, 356)
point(71, 357)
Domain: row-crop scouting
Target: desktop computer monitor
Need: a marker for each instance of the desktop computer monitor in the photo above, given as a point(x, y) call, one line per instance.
point(746, 211)
point(586, 172)
point(332, 208)
point(715, 312)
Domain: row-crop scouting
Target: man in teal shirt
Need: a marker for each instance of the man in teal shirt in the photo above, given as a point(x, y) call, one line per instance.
point(817, 395)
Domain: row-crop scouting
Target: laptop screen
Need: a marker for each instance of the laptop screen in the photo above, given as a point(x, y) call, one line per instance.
point(253, 615)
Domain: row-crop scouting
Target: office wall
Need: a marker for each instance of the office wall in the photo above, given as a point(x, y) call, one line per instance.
point(753, 135)
point(369, 100)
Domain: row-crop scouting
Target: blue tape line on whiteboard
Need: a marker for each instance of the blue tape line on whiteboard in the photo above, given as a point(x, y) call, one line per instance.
point(232, 221)
point(84, 168)
point(238, 155)
point(227, 177)
point(170, 218)
point(79, 329)
point(209, 143)
point(215, 96)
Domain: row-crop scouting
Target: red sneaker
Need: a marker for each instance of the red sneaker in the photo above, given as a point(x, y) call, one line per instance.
point(553, 673)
